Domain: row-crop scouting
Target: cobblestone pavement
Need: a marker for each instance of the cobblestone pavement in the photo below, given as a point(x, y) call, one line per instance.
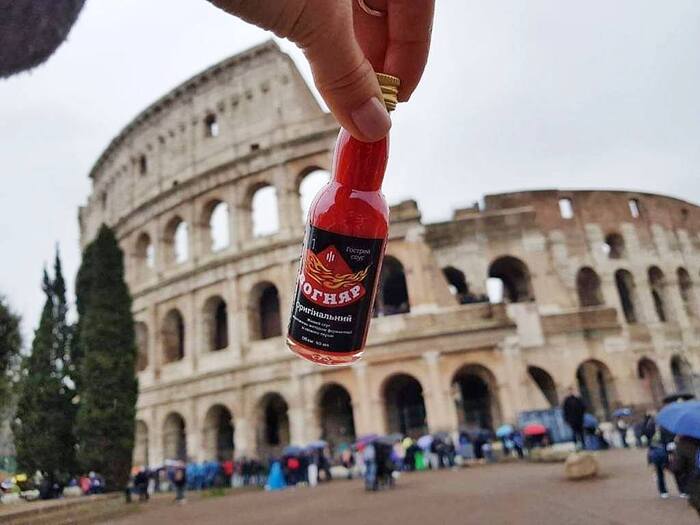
point(511, 493)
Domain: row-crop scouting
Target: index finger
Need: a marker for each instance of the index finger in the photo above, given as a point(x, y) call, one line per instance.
point(410, 28)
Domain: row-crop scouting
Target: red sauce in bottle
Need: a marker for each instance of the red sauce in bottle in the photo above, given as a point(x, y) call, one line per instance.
point(342, 256)
point(343, 250)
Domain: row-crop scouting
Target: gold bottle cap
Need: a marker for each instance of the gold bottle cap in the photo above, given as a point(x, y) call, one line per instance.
point(390, 90)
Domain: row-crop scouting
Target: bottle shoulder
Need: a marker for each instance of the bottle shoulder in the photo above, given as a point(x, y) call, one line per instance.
point(350, 212)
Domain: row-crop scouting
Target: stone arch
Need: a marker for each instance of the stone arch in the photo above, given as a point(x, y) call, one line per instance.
point(273, 433)
point(686, 288)
point(140, 455)
point(682, 374)
point(614, 246)
point(216, 323)
point(144, 255)
point(176, 241)
point(264, 210)
point(476, 396)
point(392, 292)
point(335, 415)
point(404, 405)
point(216, 222)
point(459, 286)
point(597, 387)
point(217, 433)
point(173, 334)
point(174, 437)
point(652, 384)
point(515, 275)
point(545, 383)
point(657, 283)
point(626, 289)
point(141, 332)
point(588, 287)
point(309, 182)
point(264, 311)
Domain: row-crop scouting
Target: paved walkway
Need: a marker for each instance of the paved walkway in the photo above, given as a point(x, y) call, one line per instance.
point(505, 494)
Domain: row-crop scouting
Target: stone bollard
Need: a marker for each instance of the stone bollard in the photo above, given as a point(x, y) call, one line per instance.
point(581, 465)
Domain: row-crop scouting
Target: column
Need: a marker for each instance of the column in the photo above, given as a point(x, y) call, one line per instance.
point(155, 438)
point(193, 428)
point(363, 401)
point(437, 396)
point(296, 411)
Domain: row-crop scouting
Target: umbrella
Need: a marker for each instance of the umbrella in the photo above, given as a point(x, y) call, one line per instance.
point(424, 442)
point(319, 443)
point(590, 421)
point(394, 437)
point(504, 431)
point(682, 418)
point(291, 450)
point(622, 412)
point(534, 429)
point(678, 397)
point(363, 441)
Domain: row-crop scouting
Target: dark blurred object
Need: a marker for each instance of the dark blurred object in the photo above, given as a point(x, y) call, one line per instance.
point(31, 30)
point(678, 397)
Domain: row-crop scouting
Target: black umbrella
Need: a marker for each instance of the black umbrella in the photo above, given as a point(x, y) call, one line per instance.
point(678, 396)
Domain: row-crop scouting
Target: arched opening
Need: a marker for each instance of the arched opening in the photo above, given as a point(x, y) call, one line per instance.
point(174, 437)
point(336, 416)
point(614, 246)
point(404, 405)
point(685, 286)
point(140, 455)
point(682, 375)
point(173, 336)
point(265, 320)
point(459, 287)
point(566, 208)
point(273, 427)
point(545, 383)
point(475, 387)
point(216, 321)
point(515, 277)
point(310, 185)
point(176, 241)
point(217, 221)
point(652, 385)
point(392, 293)
point(597, 388)
point(141, 331)
point(144, 255)
point(628, 294)
point(218, 433)
point(657, 283)
point(265, 214)
point(211, 126)
point(588, 287)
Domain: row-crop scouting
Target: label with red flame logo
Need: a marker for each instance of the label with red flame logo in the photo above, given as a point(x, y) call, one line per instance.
point(332, 302)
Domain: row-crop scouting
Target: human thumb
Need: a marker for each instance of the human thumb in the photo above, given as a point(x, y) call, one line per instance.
point(347, 82)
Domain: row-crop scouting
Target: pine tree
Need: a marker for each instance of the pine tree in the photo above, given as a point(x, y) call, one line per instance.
point(10, 345)
point(43, 422)
point(107, 355)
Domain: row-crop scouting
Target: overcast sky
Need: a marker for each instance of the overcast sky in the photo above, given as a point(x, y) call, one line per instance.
point(516, 95)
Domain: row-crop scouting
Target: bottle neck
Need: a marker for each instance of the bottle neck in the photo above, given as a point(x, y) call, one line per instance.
point(360, 165)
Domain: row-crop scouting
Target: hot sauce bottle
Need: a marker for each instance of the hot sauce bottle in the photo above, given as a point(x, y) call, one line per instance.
point(343, 249)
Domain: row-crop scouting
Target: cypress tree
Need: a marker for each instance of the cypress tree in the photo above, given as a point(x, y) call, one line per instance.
point(10, 345)
point(107, 355)
point(43, 423)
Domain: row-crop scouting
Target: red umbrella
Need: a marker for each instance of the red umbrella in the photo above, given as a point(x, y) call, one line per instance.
point(534, 429)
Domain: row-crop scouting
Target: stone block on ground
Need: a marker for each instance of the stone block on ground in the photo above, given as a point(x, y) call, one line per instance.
point(581, 465)
point(548, 455)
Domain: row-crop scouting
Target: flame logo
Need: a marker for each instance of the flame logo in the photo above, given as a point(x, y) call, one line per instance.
point(326, 278)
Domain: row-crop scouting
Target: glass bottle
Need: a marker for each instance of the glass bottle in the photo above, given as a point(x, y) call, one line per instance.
point(343, 249)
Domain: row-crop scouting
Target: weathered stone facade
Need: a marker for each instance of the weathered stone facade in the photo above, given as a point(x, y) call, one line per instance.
point(599, 287)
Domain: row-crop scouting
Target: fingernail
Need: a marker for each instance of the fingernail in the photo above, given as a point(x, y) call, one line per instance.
point(372, 119)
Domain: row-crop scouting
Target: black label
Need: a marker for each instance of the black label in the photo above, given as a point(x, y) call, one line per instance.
point(335, 285)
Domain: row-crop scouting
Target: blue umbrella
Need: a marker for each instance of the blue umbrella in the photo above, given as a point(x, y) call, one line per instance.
point(504, 431)
point(622, 412)
point(590, 421)
point(682, 418)
point(318, 444)
point(292, 450)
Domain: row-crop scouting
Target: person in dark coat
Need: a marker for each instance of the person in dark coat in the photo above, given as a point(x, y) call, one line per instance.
point(574, 408)
point(687, 469)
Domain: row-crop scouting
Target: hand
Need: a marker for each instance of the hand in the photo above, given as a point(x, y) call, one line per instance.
point(345, 46)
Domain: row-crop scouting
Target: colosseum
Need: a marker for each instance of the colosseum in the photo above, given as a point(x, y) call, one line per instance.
point(498, 310)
